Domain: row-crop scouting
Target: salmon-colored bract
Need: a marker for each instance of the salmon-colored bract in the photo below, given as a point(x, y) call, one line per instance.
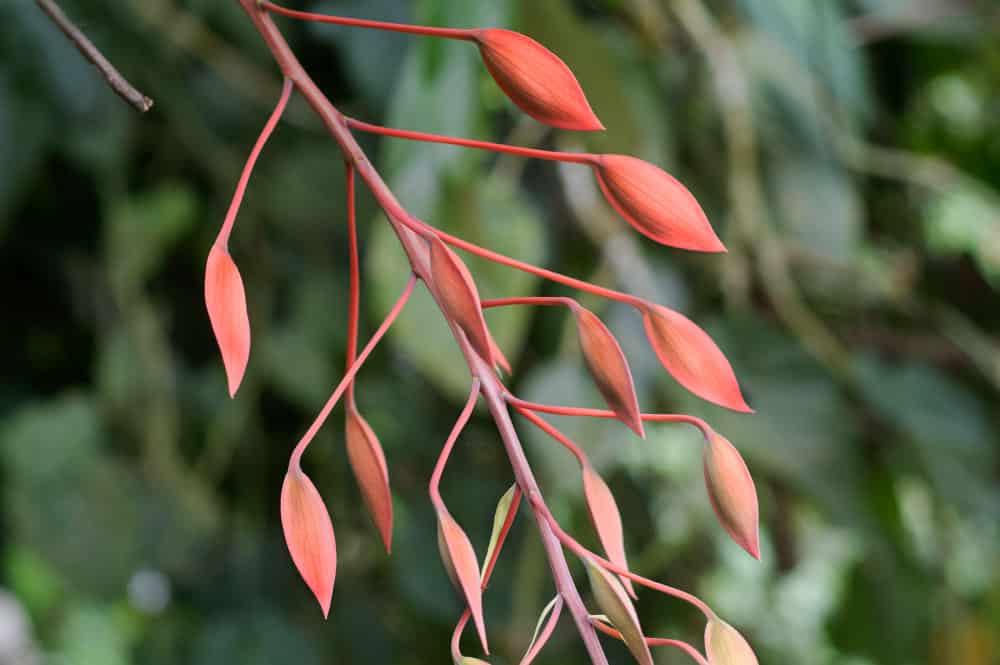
point(459, 297)
point(732, 492)
point(690, 355)
point(226, 302)
point(536, 80)
point(309, 535)
point(655, 203)
point(607, 520)
point(463, 568)
point(364, 452)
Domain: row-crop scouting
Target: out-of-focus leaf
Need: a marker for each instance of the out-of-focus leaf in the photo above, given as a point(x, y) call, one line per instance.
point(964, 220)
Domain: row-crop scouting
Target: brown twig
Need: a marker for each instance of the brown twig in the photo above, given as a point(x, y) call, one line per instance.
point(114, 78)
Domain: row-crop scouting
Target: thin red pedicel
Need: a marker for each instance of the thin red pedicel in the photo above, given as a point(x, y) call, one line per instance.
point(655, 642)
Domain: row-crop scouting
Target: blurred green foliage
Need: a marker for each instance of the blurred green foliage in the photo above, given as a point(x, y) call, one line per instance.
point(847, 150)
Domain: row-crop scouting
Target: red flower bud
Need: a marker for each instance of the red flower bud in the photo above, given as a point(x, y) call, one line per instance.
point(690, 355)
point(536, 80)
point(459, 297)
point(309, 535)
point(613, 601)
point(725, 646)
point(607, 520)
point(655, 203)
point(607, 364)
point(462, 567)
point(226, 302)
point(368, 464)
point(732, 492)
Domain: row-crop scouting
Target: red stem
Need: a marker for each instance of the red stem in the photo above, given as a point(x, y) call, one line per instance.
point(534, 153)
point(447, 33)
point(241, 186)
point(456, 636)
point(549, 429)
point(459, 425)
point(654, 641)
point(543, 637)
point(520, 404)
point(354, 305)
point(349, 377)
point(530, 300)
point(584, 553)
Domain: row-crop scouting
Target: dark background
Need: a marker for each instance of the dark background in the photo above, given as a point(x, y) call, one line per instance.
point(848, 153)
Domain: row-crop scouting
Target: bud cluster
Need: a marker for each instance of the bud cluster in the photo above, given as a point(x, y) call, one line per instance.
point(647, 198)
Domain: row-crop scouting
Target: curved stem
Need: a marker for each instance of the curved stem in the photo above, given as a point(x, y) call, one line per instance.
point(447, 33)
point(456, 429)
point(581, 551)
point(654, 641)
point(546, 633)
point(354, 305)
point(241, 186)
point(549, 429)
point(456, 636)
point(519, 403)
point(534, 153)
point(532, 300)
point(349, 376)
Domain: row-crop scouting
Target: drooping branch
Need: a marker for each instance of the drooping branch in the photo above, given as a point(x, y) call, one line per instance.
point(118, 83)
point(417, 253)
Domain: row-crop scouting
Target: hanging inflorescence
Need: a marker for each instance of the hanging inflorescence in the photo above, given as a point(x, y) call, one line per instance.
point(650, 200)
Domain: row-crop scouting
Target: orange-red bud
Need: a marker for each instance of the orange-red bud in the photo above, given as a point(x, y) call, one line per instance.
point(732, 492)
point(725, 646)
point(226, 302)
point(655, 203)
point(614, 602)
point(607, 364)
point(690, 355)
point(459, 297)
point(536, 80)
point(368, 464)
point(460, 562)
point(309, 535)
point(607, 520)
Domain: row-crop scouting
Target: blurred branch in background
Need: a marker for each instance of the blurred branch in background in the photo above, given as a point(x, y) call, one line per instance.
point(115, 80)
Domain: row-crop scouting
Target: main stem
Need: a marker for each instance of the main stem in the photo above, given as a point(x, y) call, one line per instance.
point(417, 252)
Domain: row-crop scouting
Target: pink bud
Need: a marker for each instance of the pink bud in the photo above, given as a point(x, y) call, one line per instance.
point(460, 562)
point(690, 355)
point(725, 646)
point(607, 520)
point(227, 310)
point(368, 464)
point(732, 492)
point(459, 297)
point(613, 601)
point(655, 203)
point(536, 80)
point(607, 364)
point(309, 535)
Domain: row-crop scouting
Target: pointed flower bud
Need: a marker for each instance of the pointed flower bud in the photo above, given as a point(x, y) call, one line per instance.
point(502, 519)
point(226, 302)
point(368, 464)
point(309, 535)
point(732, 492)
point(725, 646)
point(459, 297)
point(460, 562)
point(607, 520)
point(655, 203)
point(614, 602)
point(690, 355)
point(536, 80)
point(607, 364)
